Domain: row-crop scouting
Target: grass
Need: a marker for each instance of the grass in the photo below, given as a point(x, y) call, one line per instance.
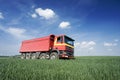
point(82, 68)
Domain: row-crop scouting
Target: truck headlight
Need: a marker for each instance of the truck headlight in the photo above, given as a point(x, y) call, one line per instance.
point(66, 56)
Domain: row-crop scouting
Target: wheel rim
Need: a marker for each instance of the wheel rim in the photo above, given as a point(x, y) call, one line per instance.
point(33, 57)
point(27, 56)
point(53, 57)
point(42, 57)
point(22, 56)
point(47, 56)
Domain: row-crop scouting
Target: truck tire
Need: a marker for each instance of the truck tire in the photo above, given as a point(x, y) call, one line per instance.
point(27, 55)
point(33, 56)
point(42, 56)
point(22, 55)
point(54, 55)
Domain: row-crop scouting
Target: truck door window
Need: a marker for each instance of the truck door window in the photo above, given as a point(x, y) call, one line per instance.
point(59, 39)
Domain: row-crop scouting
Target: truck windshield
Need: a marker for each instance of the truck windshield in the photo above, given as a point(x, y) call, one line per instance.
point(69, 40)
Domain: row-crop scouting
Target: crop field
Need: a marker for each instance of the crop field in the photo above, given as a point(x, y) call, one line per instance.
point(82, 68)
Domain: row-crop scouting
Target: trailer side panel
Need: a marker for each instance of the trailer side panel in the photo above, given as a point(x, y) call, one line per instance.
point(34, 45)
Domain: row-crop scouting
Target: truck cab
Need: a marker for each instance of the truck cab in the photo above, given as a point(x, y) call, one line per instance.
point(65, 45)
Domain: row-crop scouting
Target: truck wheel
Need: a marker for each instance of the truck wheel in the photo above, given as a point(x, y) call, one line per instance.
point(27, 55)
point(33, 56)
point(22, 55)
point(42, 56)
point(54, 55)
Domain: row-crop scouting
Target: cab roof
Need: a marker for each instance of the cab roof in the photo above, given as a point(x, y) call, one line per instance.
point(66, 36)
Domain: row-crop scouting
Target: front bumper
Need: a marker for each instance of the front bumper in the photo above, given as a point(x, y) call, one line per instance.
point(65, 56)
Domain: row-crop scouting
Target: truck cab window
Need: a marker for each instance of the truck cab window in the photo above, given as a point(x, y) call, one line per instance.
point(59, 39)
point(69, 41)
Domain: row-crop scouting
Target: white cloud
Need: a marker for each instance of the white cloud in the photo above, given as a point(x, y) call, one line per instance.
point(64, 25)
point(77, 44)
point(92, 43)
point(16, 32)
point(116, 40)
point(86, 44)
point(89, 45)
point(109, 44)
point(17, 35)
point(114, 44)
point(33, 15)
point(91, 48)
point(1, 15)
point(45, 13)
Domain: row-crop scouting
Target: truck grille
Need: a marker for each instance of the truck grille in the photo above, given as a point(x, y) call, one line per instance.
point(69, 50)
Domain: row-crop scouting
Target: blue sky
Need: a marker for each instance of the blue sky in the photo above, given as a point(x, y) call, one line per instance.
point(94, 24)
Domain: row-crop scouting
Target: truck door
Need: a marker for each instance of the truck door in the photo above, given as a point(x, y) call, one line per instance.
point(59, 44)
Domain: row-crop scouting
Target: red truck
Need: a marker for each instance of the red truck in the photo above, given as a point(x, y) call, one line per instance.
point(49, 47)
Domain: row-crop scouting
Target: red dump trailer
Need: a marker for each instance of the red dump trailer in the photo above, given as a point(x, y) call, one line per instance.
point(49, 47)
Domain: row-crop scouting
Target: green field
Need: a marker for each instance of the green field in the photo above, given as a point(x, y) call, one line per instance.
point(82, 68)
